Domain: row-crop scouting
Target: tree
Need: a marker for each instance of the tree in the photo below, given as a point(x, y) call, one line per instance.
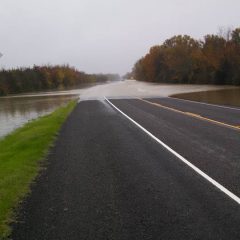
point(182, 59)
point(236, 36)
point(46, 77)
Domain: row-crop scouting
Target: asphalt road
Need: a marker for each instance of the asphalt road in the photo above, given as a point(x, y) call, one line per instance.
point(229, 115)
point(107, 179)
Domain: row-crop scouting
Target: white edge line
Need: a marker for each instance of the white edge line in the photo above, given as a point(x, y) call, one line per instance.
point(196, 169)
point(208, 104)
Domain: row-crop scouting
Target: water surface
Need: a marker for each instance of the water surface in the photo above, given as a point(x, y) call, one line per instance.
point(19, 109)
point(15, 111)
point(228, 97)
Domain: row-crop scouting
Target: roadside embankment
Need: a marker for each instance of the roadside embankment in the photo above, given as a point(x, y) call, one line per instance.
point(21, 157)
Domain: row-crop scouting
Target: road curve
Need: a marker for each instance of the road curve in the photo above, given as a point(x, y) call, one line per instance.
point(107, 179)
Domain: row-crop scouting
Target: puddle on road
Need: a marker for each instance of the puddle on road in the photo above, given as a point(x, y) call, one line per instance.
point(228, 97)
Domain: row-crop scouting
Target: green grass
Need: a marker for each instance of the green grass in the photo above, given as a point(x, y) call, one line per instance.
point(21, 155)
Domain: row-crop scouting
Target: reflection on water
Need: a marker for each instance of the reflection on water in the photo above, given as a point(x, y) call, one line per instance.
point(230, 97)
point(14, 112)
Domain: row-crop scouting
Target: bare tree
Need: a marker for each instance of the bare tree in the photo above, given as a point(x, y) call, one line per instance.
point(225, 32)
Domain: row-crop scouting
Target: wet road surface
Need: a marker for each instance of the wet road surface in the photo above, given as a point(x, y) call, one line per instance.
point(108, 179)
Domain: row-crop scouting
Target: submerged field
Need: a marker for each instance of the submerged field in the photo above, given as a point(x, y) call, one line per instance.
point(21, 156)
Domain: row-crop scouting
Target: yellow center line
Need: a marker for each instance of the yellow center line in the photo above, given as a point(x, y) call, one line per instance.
point(197, 116)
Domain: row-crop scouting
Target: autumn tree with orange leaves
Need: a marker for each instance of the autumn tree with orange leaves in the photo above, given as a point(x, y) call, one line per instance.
point(182, 59)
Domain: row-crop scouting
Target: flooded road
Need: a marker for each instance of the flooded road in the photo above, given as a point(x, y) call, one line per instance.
point(132, 88)
point(19, 109)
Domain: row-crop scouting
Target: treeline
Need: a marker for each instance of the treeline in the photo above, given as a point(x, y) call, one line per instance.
point(41, 78)
point(182, 59)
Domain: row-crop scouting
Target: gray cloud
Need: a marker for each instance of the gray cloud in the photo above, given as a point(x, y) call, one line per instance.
point(102, 36)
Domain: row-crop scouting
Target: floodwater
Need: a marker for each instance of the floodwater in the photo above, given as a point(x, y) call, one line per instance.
point(19, 109)
point(132, 88)
point(228, 97)
point(14, 112)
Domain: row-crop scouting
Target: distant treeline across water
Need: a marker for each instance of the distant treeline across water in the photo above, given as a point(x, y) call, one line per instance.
point(41, 78)
point(182, 59)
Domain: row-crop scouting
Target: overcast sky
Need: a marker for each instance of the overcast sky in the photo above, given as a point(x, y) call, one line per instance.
point(102, 35)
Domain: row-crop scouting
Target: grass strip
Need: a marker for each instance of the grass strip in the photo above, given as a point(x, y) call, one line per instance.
point(21, 155)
